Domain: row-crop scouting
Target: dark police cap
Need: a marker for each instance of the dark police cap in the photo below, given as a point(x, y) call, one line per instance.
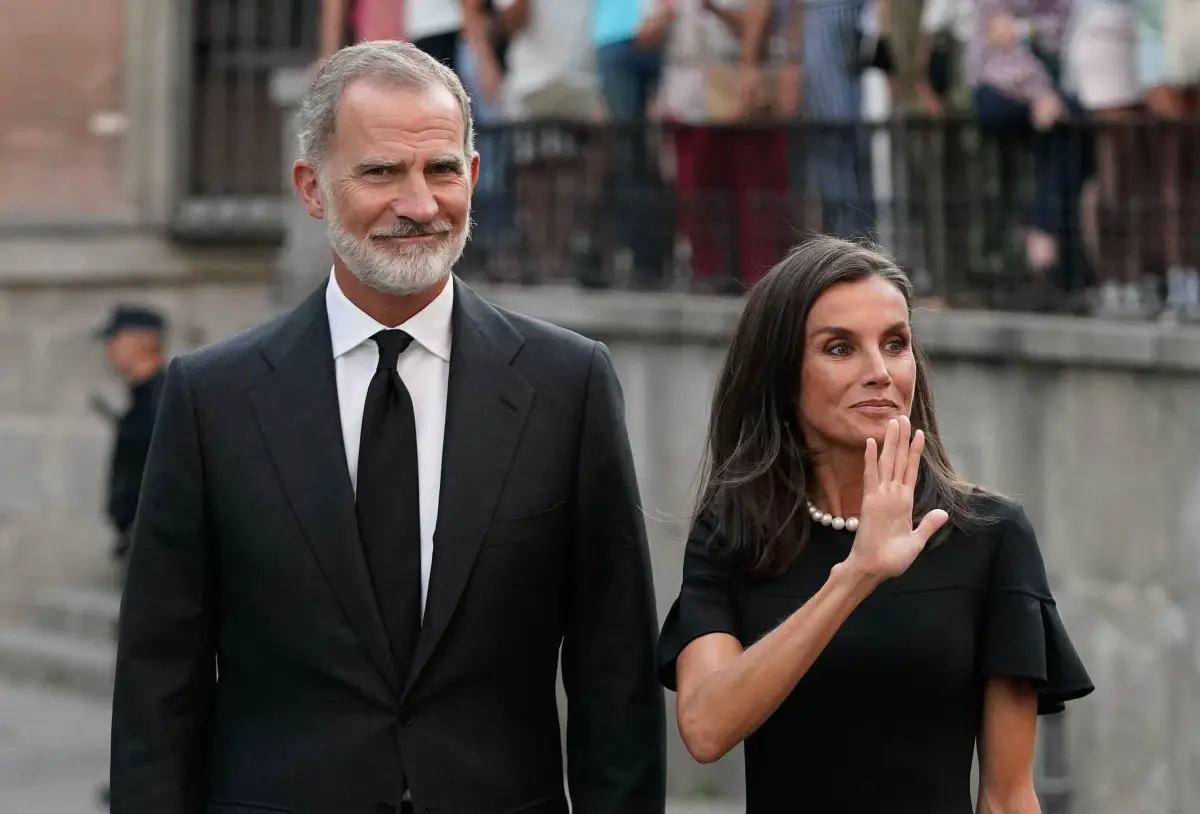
point(131, 317)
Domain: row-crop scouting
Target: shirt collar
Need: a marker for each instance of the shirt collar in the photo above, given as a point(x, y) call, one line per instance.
point(349, 327)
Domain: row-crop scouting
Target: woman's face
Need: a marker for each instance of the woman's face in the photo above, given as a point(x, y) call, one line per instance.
point(857, 369)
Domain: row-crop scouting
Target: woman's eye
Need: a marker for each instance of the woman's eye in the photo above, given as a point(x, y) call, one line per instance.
point(897, 345)
point(838, 349)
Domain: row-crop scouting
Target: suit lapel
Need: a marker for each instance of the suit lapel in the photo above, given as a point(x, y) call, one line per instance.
point(486, 409)
point(297, 411)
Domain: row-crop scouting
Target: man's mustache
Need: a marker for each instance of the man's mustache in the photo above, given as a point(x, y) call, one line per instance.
point(413, 229)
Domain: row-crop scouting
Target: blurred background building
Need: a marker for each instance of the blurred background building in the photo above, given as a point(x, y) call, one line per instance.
point(1047, 207)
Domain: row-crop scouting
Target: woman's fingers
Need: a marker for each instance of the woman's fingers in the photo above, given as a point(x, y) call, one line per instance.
point(914, 459)
point(870, 469)
point(887, 458)
point(902, 450)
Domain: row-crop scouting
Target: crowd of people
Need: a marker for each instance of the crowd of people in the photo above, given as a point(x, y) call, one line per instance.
point(760, 132)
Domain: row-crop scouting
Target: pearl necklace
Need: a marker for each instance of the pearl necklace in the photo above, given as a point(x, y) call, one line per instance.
point(827, 519)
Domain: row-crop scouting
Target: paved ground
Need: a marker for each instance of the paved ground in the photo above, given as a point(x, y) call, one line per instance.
point(54, 753)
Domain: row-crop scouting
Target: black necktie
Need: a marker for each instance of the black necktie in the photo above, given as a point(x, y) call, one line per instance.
point(388, 501)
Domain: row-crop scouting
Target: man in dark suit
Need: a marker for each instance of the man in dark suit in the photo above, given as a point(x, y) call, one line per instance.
point(369, 527)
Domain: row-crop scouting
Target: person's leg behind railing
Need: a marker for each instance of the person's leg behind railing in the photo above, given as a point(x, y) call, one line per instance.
point(759, 186)
point(629, 74)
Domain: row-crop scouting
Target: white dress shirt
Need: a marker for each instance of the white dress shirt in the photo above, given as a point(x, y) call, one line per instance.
point(425, 370)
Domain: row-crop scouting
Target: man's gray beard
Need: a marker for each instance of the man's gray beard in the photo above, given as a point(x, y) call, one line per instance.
point(398, 272)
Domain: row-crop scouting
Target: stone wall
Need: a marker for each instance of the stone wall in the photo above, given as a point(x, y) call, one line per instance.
point(53, 444)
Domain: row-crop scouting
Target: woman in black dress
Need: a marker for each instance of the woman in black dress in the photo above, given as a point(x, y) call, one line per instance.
point(854, 611)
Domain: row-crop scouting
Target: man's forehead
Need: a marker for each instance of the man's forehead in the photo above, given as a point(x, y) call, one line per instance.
point(372, 103)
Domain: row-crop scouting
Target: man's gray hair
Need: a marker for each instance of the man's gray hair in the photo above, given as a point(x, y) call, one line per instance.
point(390, 62)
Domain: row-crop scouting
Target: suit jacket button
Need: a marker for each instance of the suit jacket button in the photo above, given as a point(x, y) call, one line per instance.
point(406, 716)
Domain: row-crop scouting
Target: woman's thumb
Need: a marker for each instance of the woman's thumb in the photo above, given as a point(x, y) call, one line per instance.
point(930, 523)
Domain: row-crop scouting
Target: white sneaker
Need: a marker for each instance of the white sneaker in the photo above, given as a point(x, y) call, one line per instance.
point(1109, 303)
point(1173, 305)
point(1131, 301)
point(1190, 284)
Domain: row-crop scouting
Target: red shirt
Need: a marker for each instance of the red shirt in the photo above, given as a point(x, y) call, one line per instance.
point(377, 20)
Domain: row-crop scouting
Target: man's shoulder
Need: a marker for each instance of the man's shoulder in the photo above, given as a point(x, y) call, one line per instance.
point(548, 337)
point(556, 361)
point(550, 355)
point(234, 353)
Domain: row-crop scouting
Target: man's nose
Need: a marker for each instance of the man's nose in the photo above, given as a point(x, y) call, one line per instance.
point(415, 200)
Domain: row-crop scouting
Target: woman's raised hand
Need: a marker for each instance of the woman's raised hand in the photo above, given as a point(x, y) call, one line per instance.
point(886, 543)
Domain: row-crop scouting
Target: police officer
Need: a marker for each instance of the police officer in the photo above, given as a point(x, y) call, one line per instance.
point(133, 345)
point(133, 337)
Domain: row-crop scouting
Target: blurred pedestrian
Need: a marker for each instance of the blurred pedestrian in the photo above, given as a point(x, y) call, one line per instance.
point(730, 159)
point(375, 527)
point(133, 345)
point(852, 609)
point(1169, 73)
point(345, 22)
point(434, 26)
point(1102, 55)
point(483, 63)
point(825, 46)
point(552, 102)
point(629, 37)
point(1016, 66)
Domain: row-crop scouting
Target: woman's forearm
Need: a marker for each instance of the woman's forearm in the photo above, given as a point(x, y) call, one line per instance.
point(475, 30)
point(731, 703)
point(734, 19)
point(754, 30)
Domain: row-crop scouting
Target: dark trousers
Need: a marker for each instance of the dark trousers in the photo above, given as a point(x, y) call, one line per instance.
point(1064, 158)
point(734, 206)
point(442, 47)
point(628, 76)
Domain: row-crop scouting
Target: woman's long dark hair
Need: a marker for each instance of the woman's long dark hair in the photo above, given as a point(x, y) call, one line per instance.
point(756, 476)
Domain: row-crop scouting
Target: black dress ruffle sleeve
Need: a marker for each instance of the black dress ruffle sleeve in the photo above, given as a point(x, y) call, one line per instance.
point(1023, 635)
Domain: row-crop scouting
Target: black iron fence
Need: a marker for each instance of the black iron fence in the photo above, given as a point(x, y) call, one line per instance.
point(980, 216)
point(1114, 205)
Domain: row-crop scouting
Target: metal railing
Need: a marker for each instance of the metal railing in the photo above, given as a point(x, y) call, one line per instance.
point(953, 199)
point(710, 208)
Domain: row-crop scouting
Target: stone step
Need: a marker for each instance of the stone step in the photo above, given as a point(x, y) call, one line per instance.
point(708, 806)
point(89, 613)
point(81, 665)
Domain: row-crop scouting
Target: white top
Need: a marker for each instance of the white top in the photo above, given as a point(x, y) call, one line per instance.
point(956, 15)
point(425, 18)
point(425, 370)
point(701, 63)
point(554, 45)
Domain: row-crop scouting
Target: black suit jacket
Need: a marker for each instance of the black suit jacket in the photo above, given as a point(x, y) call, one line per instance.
point(253, 670)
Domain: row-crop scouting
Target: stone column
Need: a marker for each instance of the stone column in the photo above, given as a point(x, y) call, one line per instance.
point(155, 113)
point(304, 259)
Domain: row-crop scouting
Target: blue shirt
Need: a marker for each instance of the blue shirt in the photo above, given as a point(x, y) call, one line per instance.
point(615, 20)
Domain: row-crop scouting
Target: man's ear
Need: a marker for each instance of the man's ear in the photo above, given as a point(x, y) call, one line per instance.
point(308, 187)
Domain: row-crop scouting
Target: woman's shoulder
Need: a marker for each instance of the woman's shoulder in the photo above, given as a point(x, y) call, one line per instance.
point(993, 511)
point(1015, 553)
